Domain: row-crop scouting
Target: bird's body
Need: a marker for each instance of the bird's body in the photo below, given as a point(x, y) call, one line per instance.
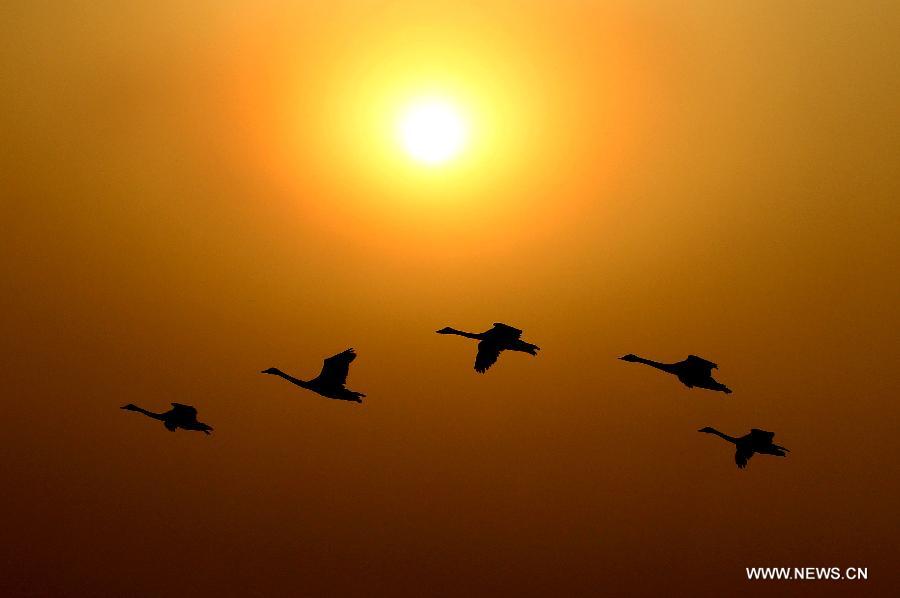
point(692, 372)
point(757, 441)
point(330, 381)
point(492, 342)
point(179, 416)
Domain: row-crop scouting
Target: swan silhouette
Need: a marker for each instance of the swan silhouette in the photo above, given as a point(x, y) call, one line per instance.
point(499, 338)
point(179, 416)
point(330, 381)
point(757, 441)
point(693, 371)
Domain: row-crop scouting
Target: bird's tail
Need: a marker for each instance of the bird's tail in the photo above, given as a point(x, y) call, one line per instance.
point(719, 386)
point(355, 396)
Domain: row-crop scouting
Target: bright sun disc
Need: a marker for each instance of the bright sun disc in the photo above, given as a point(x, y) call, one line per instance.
point(433, 132)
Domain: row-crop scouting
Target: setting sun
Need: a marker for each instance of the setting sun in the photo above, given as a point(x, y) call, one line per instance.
point(432, 131)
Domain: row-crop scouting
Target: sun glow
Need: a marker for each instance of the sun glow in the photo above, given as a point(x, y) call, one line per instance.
point(433, 131)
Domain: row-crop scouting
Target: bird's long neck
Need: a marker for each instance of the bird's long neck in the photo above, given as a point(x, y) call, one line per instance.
point(463, 333)
point(291, 379)
point(730, 439)
point(158, 416)
point(654, 364)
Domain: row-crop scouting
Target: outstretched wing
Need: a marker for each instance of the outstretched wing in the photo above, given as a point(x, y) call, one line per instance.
point(488, 352)
point(761, 436)
point(700, 364)
point(184, 411)
point(741, 456)
point(504, 332)
point(335, 368)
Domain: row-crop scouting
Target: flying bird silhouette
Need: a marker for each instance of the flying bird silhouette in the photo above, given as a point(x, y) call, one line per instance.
point(179, 416)
point(330, 381)
point(693, 371)
point(757, 441)
point(499, 338)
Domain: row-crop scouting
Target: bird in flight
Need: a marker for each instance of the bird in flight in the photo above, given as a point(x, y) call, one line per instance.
point(330, 381)
point(757, 441)
point(499, 338)
point(179, 416)
point(693, 371)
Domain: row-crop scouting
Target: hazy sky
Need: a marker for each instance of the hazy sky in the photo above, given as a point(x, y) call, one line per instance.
point(195, 191)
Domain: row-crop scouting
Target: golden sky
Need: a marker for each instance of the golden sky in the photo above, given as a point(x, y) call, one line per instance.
point(196, 191)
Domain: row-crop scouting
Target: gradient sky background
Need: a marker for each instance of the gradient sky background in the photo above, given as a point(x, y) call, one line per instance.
point(196, 191)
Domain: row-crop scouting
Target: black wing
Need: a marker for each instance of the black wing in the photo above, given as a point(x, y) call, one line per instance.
point(335, 368)
point(504, 332)
point(700, 364)
point(184, 411)
point(488, 352)
point(762, 436)
point(741, 456)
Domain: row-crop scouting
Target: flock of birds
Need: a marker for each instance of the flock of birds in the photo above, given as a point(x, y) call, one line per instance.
point(331, 383)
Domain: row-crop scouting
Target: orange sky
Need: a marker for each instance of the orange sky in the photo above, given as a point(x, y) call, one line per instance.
point(194, 193)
